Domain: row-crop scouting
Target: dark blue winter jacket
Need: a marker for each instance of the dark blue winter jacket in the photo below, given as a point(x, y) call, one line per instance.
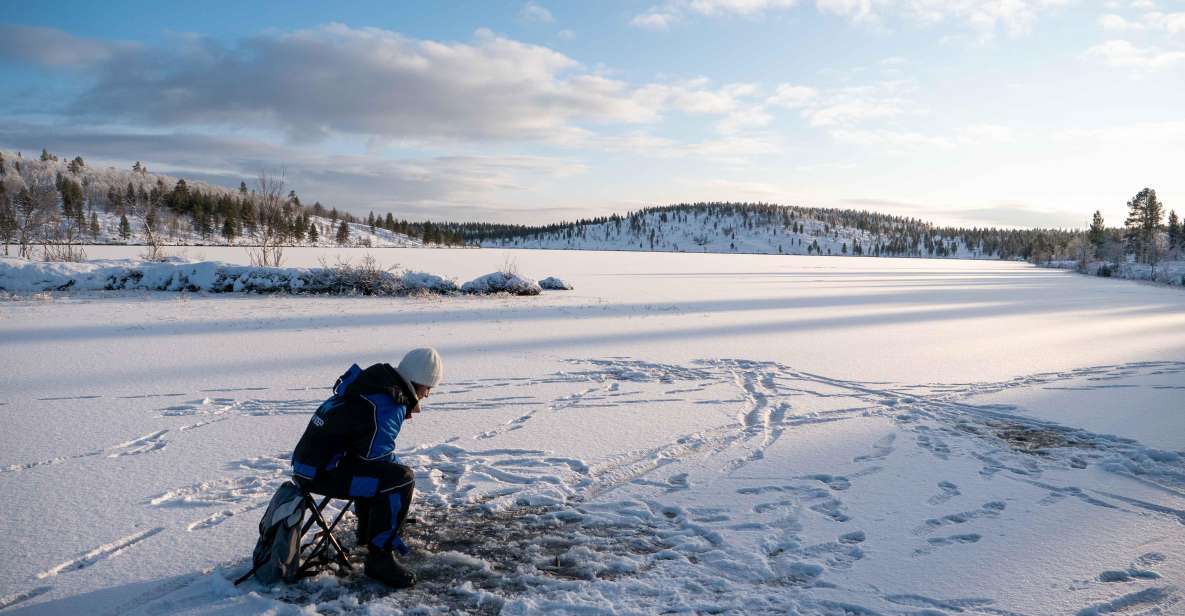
point(361, 420)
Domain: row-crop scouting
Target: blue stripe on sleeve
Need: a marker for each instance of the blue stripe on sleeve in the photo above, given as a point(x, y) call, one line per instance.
point(388, 420)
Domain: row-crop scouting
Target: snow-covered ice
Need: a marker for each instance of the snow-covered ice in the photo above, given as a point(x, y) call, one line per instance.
point(680, 433)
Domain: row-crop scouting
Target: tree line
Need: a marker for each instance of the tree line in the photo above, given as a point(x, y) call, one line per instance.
point(54, 205)
point(885, 234)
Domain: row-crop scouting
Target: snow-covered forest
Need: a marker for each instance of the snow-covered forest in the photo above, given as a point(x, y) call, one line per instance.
point(59, 204)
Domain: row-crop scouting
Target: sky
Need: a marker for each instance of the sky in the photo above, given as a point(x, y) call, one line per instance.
point(1019, 113)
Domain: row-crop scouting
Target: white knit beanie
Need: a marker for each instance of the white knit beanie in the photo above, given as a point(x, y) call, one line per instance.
point(422, 367)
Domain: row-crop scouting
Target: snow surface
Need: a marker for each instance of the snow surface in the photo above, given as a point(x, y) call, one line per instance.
point(681, 433)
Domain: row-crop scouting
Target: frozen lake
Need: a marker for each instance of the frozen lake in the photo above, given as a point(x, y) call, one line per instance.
point(761, 433)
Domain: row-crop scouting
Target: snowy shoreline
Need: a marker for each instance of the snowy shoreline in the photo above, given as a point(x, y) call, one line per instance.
point(1167, 273)
point(20, 275)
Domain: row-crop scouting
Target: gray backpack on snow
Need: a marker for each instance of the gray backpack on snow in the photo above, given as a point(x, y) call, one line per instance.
point(277, 553)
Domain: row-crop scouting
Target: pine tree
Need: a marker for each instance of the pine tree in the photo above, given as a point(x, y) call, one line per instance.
point(242, 188)
point(1144, 212)
point(75, 167)
point(1174, 231)
point(45, 155)
point(343, 233)
point(125, 228)
point(1097, 235)
point(313, 235)
point(299, 226)
point(94, 226)
point(228, 229)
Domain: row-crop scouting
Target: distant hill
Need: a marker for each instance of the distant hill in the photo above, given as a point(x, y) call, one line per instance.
point(762, 228)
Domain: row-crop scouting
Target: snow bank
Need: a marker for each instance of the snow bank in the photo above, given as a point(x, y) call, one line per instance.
point(551, 283)
point(19, 275)
point(1165, 272)
point(502, 282)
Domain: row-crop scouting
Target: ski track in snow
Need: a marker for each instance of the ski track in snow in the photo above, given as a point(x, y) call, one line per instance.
point(98, 554)
point(624, 491)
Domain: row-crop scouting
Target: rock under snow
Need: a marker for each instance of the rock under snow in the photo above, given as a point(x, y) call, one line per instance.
point(551, 283)
point(502, 282)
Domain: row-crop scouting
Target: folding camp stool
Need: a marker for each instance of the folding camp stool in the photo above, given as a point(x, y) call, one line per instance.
point(323, 540)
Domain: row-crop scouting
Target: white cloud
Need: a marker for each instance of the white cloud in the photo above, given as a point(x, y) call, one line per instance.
point(852, 112)
point(697, 97)
point(855, 10)
point(737, 7)
point(1173, 23)
point(744, 119)
point(663, 16)
point(889, 139)
point(986, 133)
point(1120, 53)
point(533, 11)
point(50, 47)
point(335, 79)
point(1114, 22)
point(735, 148)
point(983, 16)
point(792, 96)
point(1168, 133)
point(654, 19)
point(974, 135)
point(855, 105)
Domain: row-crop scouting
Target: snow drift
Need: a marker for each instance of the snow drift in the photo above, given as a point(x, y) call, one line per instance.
point(502, 282)
point(551, 283)
point(19, 275)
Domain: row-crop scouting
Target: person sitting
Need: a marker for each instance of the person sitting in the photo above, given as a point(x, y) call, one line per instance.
point(348, 451)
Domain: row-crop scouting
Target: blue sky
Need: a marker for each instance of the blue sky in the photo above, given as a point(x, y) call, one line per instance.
point(968, 112)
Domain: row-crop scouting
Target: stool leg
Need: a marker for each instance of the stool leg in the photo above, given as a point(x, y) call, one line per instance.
point(327, 539)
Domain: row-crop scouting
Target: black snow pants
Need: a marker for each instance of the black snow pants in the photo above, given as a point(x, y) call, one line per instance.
point(382, 493)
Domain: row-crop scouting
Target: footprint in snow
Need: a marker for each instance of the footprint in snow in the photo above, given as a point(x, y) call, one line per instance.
point(947, 491)
point(1140, 569)
point(937, 542)
point(988, 510)
point(880, 449)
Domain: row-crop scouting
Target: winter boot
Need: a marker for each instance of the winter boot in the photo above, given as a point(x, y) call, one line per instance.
point(382, 566)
